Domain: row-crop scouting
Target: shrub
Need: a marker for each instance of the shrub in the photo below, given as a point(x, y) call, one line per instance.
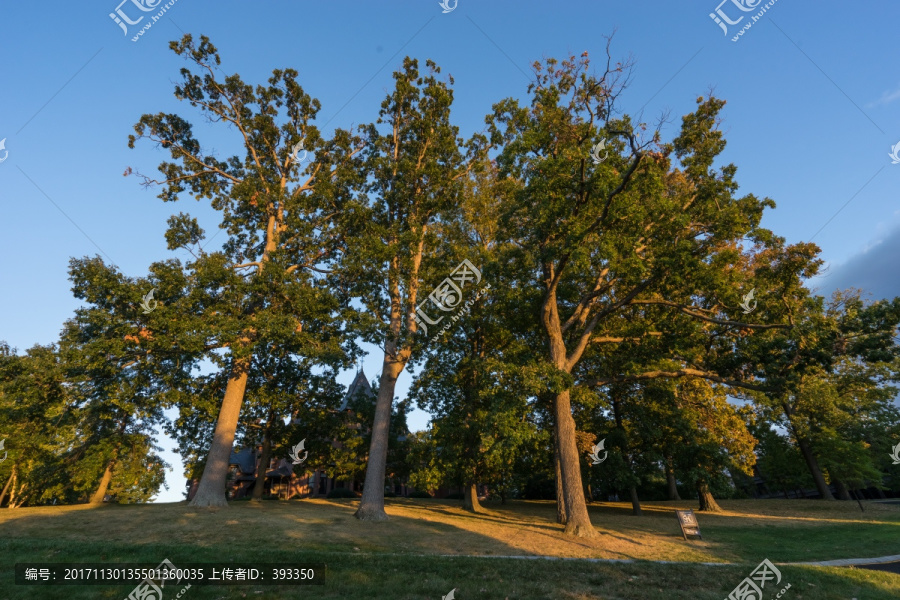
point(454, 497)
point(418, 494)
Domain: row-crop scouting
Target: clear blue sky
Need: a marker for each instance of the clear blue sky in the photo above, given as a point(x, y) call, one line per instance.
point(813, 110)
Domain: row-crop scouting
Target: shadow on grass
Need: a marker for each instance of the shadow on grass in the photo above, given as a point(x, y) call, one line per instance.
point(383, 577)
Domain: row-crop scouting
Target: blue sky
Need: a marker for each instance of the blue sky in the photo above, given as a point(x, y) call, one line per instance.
point(812, 88)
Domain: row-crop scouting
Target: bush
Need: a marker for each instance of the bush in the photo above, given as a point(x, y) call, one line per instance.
point(454, 497)
point(390, 495)
point(342, 493)
point(418, 494)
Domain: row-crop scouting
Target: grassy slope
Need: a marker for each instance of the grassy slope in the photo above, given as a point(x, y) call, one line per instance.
point(401, 559)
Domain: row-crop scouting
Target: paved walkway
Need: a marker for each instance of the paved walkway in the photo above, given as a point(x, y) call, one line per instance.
point(890, 564)
point(881, 563)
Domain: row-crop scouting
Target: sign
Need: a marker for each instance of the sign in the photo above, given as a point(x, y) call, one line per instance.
point(689, 525)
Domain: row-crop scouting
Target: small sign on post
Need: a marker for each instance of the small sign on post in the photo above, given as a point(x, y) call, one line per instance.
point(689, 525)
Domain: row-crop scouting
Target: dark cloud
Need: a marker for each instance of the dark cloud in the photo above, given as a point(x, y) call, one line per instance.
point(876, 271)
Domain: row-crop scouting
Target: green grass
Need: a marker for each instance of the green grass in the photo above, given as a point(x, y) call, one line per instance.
point(402, 559)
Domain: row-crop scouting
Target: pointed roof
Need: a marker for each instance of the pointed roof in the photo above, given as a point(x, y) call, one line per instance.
point(360, 385)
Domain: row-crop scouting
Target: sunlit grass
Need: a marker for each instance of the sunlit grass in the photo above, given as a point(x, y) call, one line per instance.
point(420, 552)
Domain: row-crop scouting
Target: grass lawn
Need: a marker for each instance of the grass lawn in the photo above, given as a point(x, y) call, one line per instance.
point(431, 546)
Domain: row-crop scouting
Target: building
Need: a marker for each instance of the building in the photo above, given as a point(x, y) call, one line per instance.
point(282, 478)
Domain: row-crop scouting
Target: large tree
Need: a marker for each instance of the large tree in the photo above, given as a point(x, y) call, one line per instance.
point(413, 167)
point(267, 284)
point(631, 229)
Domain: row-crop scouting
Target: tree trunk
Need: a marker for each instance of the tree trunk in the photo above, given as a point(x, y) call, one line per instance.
point(98, 496)
point(12, 491)
point(470, 498)
point(560, 498)
point(211, 490)
point(842, 492)
point(8, 482)
point(671, 484)
point(578, 521)
point(264, 459)
point(371, 505)
point(813, 465)
point(635, 501)
point(707, 502)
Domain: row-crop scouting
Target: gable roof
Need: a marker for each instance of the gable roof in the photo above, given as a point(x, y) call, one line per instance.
point(360, 385)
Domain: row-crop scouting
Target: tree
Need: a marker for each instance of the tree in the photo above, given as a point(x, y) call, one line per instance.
point(36, 427)
point(266, 285)
point(604, 240)
point(413, 170)
point(827, 373)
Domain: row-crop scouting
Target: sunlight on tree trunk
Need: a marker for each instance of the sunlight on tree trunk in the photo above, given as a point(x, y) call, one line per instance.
point(6, 487)
point(707, 502)
point(97, 498)
point(211, 490)
point(578, 520)
point(371, 505)
point(470, 498)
